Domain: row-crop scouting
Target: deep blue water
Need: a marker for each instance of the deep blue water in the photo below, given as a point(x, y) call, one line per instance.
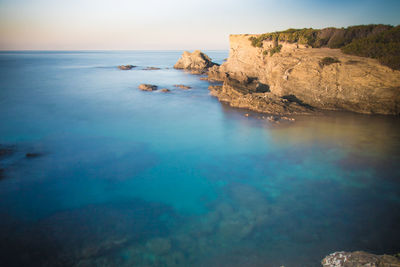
point(132, 178)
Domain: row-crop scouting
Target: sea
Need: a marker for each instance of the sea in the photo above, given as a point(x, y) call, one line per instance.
point(95, 172)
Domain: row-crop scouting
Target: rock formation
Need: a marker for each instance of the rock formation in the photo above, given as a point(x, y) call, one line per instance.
point(301, 79)
point(147, 87)
point(126, 67)
point(359, 259)
point(182, 86)
point(196, 62)
point(255, 96)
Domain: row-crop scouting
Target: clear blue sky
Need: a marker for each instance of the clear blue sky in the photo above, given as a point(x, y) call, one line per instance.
point(175, 24)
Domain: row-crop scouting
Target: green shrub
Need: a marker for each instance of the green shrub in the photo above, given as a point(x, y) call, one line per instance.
point(384, 46)
point(326, 61)
point(274, 50)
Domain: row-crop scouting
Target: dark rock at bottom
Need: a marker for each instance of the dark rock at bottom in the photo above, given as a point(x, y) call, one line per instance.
point(359, 259)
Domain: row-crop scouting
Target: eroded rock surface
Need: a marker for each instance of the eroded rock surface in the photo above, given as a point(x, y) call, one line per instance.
point(196, 62)
point(359, 259)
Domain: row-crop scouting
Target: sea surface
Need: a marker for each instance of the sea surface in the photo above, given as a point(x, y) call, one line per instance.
point(123, 177)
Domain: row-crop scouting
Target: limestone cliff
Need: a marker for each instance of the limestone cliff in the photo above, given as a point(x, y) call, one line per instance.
point(322, 78)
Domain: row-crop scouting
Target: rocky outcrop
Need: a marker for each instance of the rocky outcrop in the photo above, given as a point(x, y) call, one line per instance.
point(256, 96)
point(196, 62)
point(359, 259)
point(321, 78)
point(147, 87)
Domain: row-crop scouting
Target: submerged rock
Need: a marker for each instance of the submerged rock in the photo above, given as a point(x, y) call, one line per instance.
point(165, 90)
point(126, 67)
point(147, 87)
point(31, 155)
point(6, 151)
point(197, 62)
point(159, 245)
point(182, 86)
point(359, 259)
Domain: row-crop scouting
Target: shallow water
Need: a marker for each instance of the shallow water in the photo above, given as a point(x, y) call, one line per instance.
point(132, 178)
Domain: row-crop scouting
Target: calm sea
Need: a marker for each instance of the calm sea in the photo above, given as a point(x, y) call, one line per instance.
point(131, 178)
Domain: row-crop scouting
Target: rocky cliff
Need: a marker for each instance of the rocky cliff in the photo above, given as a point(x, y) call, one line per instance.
point(314, 78)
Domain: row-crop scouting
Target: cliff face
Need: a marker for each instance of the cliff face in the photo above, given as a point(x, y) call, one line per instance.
point(346, 83)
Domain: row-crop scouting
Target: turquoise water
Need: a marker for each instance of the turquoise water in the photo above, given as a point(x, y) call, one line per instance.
point(132, 178)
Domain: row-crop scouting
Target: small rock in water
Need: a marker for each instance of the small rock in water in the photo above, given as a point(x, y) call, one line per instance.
point(165, 90)
point(32, 155)
point(151, 68)
point(246, 115)
point(126, 67)
point(287, 119)
point(147, 87)
point(182, 86)
point(273, 118)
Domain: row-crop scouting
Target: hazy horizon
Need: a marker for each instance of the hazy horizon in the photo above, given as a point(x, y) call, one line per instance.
point(171, 25)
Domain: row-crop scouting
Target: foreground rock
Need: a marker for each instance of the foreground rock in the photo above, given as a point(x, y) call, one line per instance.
point(196, 62)
point(147, 87)
point(359, 259)
point(126, 67)
point(322, 78)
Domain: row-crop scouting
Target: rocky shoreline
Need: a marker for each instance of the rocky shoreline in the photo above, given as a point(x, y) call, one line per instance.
point(297, 79)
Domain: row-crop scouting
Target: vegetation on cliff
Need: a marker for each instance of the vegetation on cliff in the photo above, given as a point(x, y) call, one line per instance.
point(374, 41)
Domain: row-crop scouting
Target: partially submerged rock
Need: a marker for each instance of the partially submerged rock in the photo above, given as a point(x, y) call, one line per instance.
point(151, 68)
point(196, 62)
point(359, 259)
point(147, 87)
point(126, 67)
point(256, 97)
point(182, 86)
point(165, 90)
point(159, 245)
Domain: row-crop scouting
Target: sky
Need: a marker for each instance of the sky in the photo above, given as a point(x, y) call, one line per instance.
point(171, 25)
